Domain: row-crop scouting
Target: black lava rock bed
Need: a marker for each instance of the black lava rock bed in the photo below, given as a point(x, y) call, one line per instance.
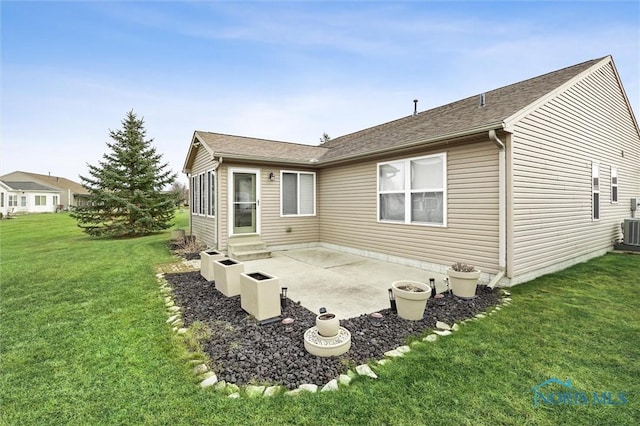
point(243, 352)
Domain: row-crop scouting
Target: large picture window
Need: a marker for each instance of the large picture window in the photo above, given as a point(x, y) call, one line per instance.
point(41, 200)
point(413, 190)
point(298, 193)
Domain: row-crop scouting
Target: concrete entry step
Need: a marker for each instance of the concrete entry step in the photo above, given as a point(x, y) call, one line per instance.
point(251, 255)
point(249, 247)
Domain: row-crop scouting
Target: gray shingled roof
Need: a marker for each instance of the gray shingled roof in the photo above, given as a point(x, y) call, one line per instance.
point(460, 117)
point(28, 186)
point(456, 117)
point(244, 147)
point(55, 182)
point(61, 183)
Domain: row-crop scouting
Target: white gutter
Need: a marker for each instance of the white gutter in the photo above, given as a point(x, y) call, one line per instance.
point(502, 209)
point(416, 143)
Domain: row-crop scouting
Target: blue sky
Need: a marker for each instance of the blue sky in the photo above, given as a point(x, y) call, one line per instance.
point(275, 70)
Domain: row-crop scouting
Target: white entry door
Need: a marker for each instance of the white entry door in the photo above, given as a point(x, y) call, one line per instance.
point(244, 200)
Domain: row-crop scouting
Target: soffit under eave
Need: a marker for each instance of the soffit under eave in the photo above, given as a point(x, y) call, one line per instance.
point(510, 121)
point(194, 146)
point(244, 159)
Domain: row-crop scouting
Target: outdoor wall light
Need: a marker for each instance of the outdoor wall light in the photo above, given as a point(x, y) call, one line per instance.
point(283, 297)
point(272, 176)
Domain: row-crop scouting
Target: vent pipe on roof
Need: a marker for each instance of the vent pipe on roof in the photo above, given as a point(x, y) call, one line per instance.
point(415, 107)
point(483, 100)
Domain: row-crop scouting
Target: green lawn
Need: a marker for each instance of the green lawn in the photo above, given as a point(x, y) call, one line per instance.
point(84, 341)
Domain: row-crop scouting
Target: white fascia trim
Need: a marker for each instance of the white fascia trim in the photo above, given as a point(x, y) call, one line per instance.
point(510, 121)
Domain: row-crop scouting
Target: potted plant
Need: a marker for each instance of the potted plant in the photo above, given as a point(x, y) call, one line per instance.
point(463, 280)
point(411, 298)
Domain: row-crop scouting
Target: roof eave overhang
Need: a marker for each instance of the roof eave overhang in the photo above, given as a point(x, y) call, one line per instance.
point(196, 143)
point(432, 141)
point(267, 160)
point(511, 121)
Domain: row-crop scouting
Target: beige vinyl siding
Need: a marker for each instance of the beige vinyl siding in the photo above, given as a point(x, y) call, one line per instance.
point(273, 230)
point(347, 205)
point(553, 149)
point(303, 229)
point(203, 227)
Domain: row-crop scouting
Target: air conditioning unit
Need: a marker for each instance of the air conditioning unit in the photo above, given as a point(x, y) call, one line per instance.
point(631, 230)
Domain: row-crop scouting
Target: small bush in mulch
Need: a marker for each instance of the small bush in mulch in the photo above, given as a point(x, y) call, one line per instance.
point(188, 249)
point(243, 352)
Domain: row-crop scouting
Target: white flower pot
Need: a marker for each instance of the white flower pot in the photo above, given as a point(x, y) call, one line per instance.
point(227, 272)
point(260, 295)
point(463, 284)
point(328, 324)
point(207, 258)
point(411, 304)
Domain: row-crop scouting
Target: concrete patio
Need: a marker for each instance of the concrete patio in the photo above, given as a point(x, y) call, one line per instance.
point(346, 284)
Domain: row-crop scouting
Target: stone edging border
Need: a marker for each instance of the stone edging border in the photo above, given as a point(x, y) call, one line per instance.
point(209, 379)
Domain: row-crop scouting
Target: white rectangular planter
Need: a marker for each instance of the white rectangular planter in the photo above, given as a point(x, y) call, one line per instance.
point(227, 272)
point(260, 295)
point(207, 258)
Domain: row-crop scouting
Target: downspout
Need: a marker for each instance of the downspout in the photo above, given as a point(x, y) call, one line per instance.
point(190, 204)
point(215, 218)
point(502, 209)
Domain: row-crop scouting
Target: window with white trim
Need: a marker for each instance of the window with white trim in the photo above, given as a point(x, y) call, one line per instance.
point(12, 201)
point(211, 190)
point(202, 204)
point(1, 199)
point(595, 191)
point(413, 190)
point(195, 191)
point(203, 194)
point(297, 193)
point(614, 184)
point(23, 201)
point(41, 200)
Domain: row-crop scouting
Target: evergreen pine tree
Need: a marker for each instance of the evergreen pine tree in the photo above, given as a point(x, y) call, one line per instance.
point(126, 195)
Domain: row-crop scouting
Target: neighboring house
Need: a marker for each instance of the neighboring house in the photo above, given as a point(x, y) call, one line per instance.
point(520, 181)
point(28, 197)
point(4, 194)
point(71, 193)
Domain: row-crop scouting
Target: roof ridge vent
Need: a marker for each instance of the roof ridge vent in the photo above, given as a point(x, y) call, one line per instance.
point(483, 100)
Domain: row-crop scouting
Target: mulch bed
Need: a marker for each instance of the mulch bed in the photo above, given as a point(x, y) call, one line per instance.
point(244, 352)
